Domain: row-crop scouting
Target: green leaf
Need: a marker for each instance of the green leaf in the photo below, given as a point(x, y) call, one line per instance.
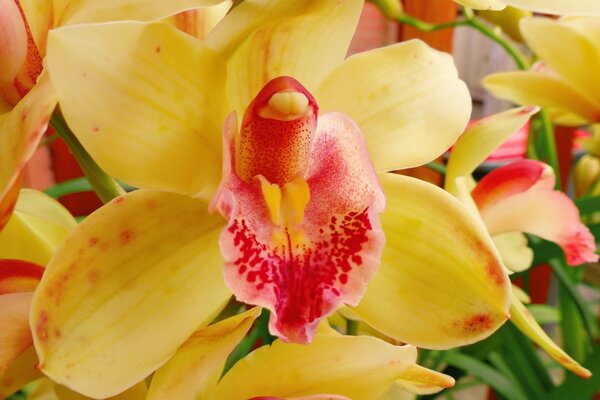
point(544, 314)
point(486, 374)
point(588, 205)
point(576, 388)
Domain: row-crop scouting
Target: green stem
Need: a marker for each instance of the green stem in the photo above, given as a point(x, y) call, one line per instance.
point(105, 187)
point(437, 167)
point(471, 21)
point(550, 145)
point(496, 36)
point(61, 189)
point(351, 327)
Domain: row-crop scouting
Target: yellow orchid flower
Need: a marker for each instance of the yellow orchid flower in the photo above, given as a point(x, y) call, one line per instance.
point(332, 366)
point(565, 81)
point(37, 226)
point(301, 186)
point(27, 99)
point(515, 198)
point(560, 7)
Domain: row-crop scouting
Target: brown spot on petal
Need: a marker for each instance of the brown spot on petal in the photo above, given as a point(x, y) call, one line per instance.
point(479, 322)
point(93, 241)
point(41, 326)
point(157, 49)
point(126, 236)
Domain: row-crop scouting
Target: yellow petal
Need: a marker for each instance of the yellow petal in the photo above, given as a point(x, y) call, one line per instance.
point(516, 255)
point(570, 53)
point(86, 11)
point(21, 371)
point(534, 88)
point(438, 258)
point(200, 22)
point(562, 7)
point(43, 390)
point(523, 320)
point(37, 227)
point(129, 286)
point(407, 100)
point(22, 129)
point(483, 4)
point(137, 392)
point(156, 126)
point(480, 140)
point(266, 39)
point(358, 367)
point(187, 374)
point(15, 337)
point(421, 380)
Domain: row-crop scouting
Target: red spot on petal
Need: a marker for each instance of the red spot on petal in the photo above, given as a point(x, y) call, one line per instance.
point(41, 326)
point(95, 129)
point(157, 49)
point(93, 241)
point(477, 323)
point(119, 200)
point(126, 236)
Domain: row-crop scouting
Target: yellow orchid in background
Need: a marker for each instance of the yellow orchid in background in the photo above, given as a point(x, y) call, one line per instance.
point(515, 198)
point(560, 7)
point(36, 228)
point(301, 186)
point(27, 99)
point(565, 81)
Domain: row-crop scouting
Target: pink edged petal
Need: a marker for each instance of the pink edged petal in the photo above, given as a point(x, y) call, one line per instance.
point(13, 41)
point(265, 39)
point(131, 283)
point(17, 276)
point(438, 257)
point(304, 247)
point(21, 371)
point(512, 179)
point(519, 197)
point(15, 336)
point(480, 140)
point(22, 129)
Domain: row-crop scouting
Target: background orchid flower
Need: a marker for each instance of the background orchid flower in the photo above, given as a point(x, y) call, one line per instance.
point(150, 103)
point(27, 99)
point(560, 7)
point(566, 80)
point(515, 198)
point(34, 231)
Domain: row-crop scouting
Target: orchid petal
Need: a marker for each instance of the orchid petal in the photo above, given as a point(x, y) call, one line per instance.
point(406, 99)
point(154, 127)
point(516, 255)
point(571, 54)
point(18, 276)
point(327, 246)
point(438, 258)
point(137, 392)
point(483, 4)
point(265, 39)
point(8, 202)
point(20, 372)
point(523, 320)
point(187, 374)
point(147, 265)
point(571, 7)
point(358, 367)
point(533, 88)
point(509, 199)
point(479, 141)
point(13, 41)
point(39, 17)
point(38, 226)
point(22, 129)
point(69, 12)
point(419, 380)
point(200, 22)
point(15, 336)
